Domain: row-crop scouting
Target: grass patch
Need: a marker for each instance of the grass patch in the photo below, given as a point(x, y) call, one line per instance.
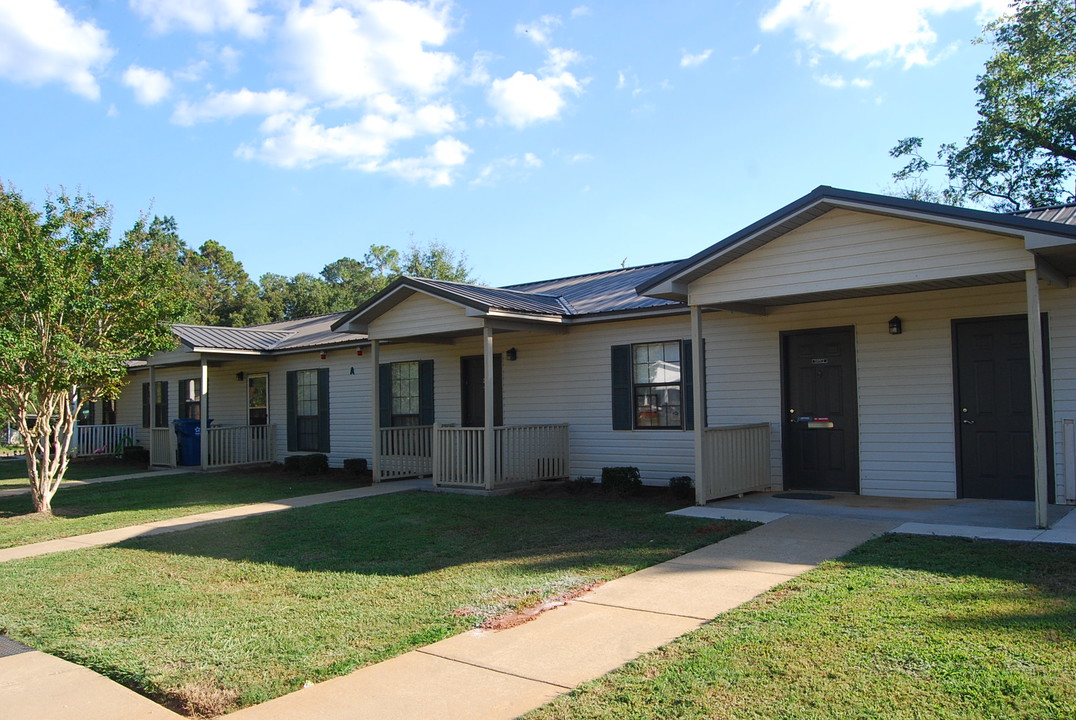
point(13, 471)
point(89, 508)
point(901, 628)
point(229, 615)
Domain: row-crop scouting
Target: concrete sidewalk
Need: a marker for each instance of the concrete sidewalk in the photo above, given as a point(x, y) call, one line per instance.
point(9, 492)
point(481, 675)
point(110, 537)
point(498, 675)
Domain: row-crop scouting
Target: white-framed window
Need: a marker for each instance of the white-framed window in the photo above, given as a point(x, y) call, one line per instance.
point(657, 387)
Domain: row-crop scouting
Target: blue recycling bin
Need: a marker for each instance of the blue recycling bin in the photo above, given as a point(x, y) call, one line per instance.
point(189, 440)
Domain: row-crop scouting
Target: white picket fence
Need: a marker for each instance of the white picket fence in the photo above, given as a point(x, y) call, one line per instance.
point(102, 439)
point(736, 460)
point(521, 453)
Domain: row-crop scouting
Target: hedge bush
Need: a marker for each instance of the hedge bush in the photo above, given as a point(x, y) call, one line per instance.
point(312, 464)
point(621, 480)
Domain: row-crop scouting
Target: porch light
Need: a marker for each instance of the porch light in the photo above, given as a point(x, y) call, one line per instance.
point(511, 354)
point(324, 355)
point(239, 376)
point(358, 352)
point(895, 326)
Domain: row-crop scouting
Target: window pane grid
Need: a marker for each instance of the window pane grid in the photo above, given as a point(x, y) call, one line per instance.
point(657, 385)
point(405, 393)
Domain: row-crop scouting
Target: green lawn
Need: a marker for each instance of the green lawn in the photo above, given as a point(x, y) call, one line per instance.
point(227, 615)
point(901, 628)
point(13, 472)
point(103, 506)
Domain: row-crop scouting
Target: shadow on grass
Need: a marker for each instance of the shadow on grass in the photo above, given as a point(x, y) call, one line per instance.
point(413, 533)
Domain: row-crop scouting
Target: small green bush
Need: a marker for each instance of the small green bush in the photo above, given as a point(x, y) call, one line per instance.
point(682, 486)
point(356, 466)
point(623, 481)
point(136, 453)
point(312, 464)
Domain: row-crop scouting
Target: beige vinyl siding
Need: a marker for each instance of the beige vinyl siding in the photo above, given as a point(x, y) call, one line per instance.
point(567, 379)
point(845, 249)
point(905, 382)
point(422, 314)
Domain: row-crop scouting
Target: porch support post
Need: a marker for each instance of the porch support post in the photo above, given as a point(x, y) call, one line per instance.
point(203, 413)
point(1038, 399)
point(699, 399)
point(375, 403)
point(153, 413)
point(487, 392)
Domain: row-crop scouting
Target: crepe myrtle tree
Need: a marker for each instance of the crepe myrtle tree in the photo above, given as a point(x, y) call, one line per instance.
point(76, 306)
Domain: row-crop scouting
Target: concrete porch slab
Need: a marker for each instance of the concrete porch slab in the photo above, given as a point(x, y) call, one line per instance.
point(719, 513)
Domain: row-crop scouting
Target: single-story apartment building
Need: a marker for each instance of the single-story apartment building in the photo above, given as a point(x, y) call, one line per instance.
point(847, 342)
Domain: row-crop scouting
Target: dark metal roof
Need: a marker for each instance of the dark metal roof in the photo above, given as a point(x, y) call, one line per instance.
point(282, 335)
point(1065, 214)
point(487, 298)
point(820, 201)
point(602, 292)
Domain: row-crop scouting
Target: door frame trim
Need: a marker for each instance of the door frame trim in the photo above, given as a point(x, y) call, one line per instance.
point(785, 440)
point(1044, 318)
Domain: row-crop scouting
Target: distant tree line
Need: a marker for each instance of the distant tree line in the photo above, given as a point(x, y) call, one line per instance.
point(222, 293)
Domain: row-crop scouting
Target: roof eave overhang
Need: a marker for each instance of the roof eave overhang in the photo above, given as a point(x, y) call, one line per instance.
point(672, 284)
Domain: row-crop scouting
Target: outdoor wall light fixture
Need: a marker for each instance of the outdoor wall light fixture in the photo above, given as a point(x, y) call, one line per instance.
point(358, 352)
point(239, 376)
point(324, 355)
point(895, 326)
point(511, 354)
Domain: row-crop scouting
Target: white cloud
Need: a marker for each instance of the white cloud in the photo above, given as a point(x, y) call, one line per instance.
point(581, 11)
point(531, 160)
point(689, 60)
point(527, 98)
point(345, 51)
point(41, 42)
point(298, 140)
point(541, 30)
point(230, 104)
point(437, 168)
point(879, 31)
point(493, 172)
point(149, 86)
point(831, 80)
point(203, 16)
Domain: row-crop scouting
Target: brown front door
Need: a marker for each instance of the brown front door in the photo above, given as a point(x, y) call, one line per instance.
point(472, 391)
point(993, 408)
point(821, 423)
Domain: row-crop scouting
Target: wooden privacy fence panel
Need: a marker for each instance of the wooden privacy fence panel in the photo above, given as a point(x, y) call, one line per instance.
point(162, 446)
point(240, 444)
point(735, 460)
point(102, 439)
point(406, 452)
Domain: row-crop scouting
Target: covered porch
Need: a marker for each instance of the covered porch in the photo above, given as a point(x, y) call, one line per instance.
point(865, 326)
point(426, 328)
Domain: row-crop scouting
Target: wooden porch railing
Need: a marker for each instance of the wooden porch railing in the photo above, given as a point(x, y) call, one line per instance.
point(241, 444)
point(736, 459)
point(522, 453)
point(406, 452)
point(162, 446)
point(102, 439)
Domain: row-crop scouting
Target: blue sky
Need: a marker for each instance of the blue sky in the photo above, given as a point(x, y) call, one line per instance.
point(539, 138)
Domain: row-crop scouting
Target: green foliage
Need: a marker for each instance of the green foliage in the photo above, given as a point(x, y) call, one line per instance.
point(223, 292)
point(356, 466)
point(136, 453)
point(682, 486)
point(77, 306)
point(623, 481)
point(312, 464)
point(1022, 152)
point(580, 484)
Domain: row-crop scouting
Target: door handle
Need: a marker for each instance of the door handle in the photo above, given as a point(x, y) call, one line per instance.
point(968, 422)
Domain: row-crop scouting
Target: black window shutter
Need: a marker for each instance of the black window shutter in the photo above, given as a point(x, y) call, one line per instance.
point(323, 410)
point(425, 392)
point(291, 400)
point(384, 394)
point(162, 421)
point(146, 406)
point(621, 375)
point(687, 365)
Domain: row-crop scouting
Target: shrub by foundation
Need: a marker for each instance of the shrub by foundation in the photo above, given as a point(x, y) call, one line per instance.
point(682, 486)
point(623, 481)
point(313, 464)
